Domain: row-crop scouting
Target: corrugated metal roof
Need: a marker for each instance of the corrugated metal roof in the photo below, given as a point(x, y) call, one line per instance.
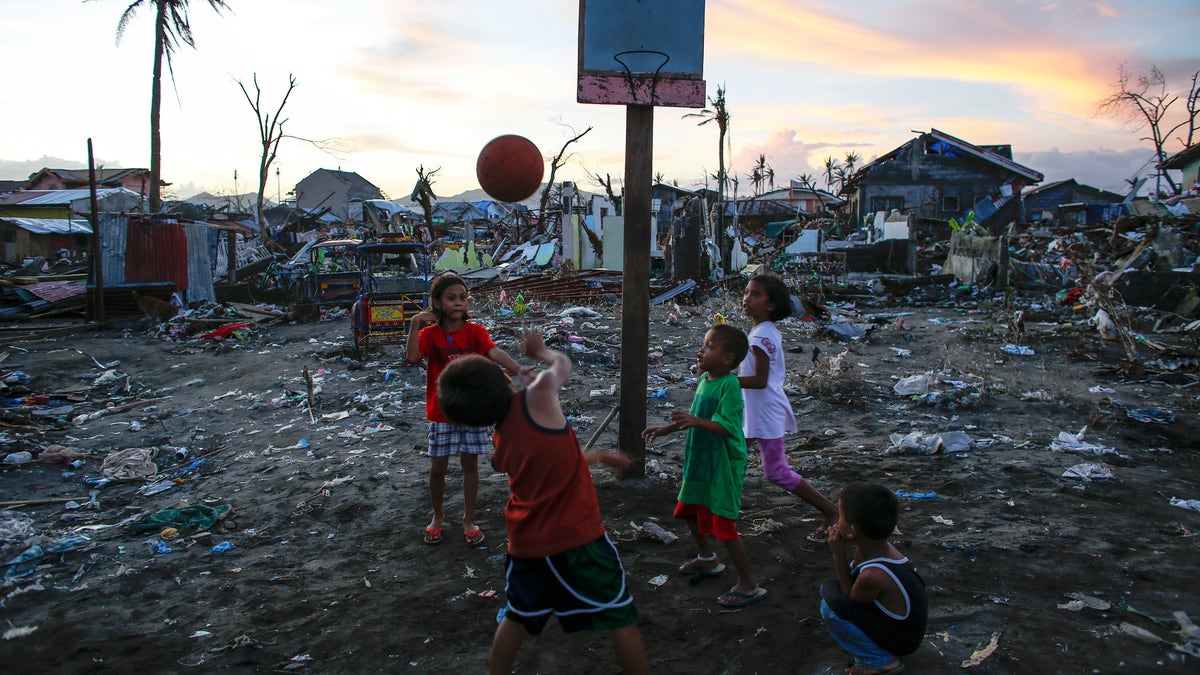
point(51, 225)
point(59, 197)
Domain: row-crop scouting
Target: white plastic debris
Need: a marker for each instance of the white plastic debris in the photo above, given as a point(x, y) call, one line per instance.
point(1089, 472)
point(915, 384)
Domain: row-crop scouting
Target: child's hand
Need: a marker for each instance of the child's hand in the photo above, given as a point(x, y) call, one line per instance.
point(650, 433)
point(425, 317)
point(683, 420)
point(527, 375)
point(533, 344)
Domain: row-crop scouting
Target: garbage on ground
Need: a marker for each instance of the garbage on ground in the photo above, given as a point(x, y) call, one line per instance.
point(929, 444)
point(186, 519)
point(1068, 442)
point(1152, 415)
point(916, 495)
point(129, 464)
point(655, 530)
point(1089, 472)
point(1019, 350)
point(1079, 602)
point(915, 384)
point(1190, 504)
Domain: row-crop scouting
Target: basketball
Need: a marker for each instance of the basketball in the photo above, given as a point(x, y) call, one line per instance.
point(510, 168)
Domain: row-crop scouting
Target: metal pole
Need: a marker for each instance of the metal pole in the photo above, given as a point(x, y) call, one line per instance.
point(635, 284)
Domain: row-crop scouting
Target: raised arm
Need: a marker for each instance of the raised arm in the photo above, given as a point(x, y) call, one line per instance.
point(541, 392)
point(412, 351)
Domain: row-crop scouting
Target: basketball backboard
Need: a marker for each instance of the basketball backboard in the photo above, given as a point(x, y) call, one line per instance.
point(642, 52)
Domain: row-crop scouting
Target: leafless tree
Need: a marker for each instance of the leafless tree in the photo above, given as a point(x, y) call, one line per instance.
point(270, 132)
point(606, 184)
point(555, 164)
point(170, 28)
point(1144, 100)
point(423, 193)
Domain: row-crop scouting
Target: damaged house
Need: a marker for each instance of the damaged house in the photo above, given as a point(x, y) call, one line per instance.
point(1069, 202)
point(340, 193)
point(939, 176)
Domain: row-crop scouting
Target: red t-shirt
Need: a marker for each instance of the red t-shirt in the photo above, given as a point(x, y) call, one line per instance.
point(552, 505)
point(440, 348)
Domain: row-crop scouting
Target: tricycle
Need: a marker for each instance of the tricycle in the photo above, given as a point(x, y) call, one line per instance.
point(394, 288)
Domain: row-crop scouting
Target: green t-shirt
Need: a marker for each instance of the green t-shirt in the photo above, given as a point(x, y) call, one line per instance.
point(714, 467)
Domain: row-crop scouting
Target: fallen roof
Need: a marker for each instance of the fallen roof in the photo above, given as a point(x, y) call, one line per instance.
point(51, 225)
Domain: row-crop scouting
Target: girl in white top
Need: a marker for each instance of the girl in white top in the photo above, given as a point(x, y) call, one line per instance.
point(768, 413)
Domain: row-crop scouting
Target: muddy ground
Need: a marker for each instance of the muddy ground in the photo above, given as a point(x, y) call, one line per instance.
point(327, 572)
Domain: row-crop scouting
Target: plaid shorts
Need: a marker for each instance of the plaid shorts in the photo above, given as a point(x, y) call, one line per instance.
point(447, 439)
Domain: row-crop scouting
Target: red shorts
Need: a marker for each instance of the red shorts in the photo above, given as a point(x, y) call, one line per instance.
point(724, 529)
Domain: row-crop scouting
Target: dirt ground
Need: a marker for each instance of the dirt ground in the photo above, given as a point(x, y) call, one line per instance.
point(327, 572)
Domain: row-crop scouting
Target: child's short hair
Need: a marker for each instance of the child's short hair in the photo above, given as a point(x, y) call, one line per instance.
point(733, 341)
point(474, 390)
point(872, 508)
point(439, 286)
point(777, 294)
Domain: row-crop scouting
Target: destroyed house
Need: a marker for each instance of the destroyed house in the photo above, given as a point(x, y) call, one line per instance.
point(41, 222)
point(1187, 161)
point(1066, 202)
point(137, 180)
point(333, 191)
point(939, 176)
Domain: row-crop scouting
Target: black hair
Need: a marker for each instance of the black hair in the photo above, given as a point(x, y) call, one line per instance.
point(872, 508)
point(438, 287)
point(474, 390)
point(777, 294)
point(733, 341)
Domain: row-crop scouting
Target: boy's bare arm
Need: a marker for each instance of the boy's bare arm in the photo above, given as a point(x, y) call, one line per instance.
point(683, 420)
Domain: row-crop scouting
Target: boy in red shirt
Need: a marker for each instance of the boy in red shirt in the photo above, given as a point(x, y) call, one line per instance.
point(560, 559)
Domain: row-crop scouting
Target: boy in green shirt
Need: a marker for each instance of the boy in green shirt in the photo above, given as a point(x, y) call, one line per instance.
point(714, 463)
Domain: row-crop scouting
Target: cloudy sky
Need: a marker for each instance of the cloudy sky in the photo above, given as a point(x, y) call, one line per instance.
point(394, 84)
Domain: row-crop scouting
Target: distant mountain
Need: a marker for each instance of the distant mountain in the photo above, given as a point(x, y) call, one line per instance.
point(244, 203)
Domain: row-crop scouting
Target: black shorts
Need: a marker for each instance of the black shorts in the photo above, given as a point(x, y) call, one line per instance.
point(584, 587)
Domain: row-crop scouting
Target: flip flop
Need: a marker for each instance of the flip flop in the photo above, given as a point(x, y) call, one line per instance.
point(474, 537)
point(860, 668)
point(819, 535)
point(693, 567)
point(432, 537)
point(741, 599)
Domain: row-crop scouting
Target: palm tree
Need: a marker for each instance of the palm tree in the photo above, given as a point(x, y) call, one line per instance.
point(170, 28)
point(719, 114)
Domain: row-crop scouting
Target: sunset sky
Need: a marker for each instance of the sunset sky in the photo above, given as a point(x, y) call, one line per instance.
point(394, 84)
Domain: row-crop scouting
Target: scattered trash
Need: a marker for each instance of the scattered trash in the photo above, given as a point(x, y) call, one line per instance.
point(1152, 415)
point(1019, 350)
point(943, 520)
point(1089, 472)
point(929, 444)
point(655, 530)
point(980, 655)
point(1190, 504)
point(222, 547)
point(915, 384)
point(1079, 601)
point(657, 581)
point(1068, 442)
point(916, 495)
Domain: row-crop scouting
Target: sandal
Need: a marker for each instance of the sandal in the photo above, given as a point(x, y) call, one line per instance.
point(474, 537)
point(702, 567)
point(819, 535)
point(732, 599)
point(432, 537)
point(860, 668)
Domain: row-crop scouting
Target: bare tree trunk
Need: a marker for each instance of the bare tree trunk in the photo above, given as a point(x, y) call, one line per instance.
point(160, 38)
point(555, 164)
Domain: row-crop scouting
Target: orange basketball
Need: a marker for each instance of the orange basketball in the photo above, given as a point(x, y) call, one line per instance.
point(510, 168)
